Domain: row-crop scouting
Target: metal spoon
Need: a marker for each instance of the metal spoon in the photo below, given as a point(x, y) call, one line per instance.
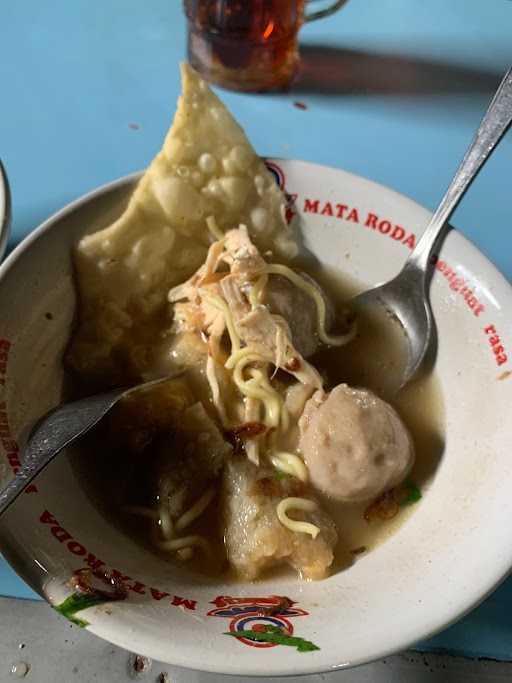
point(406, 296)
point(60, 428)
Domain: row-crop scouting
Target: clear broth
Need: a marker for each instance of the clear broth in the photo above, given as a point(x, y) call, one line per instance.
point(374, 359)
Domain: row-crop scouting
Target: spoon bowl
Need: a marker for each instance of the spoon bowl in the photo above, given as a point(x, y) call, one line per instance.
point(406, 296)
point(412, 313)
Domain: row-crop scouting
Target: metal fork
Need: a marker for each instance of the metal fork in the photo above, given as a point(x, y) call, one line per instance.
point(60, 428)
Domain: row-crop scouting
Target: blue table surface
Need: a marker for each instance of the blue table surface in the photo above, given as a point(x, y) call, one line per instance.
point(408, 82)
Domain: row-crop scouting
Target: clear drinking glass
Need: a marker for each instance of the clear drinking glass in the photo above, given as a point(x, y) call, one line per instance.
point(248, 45)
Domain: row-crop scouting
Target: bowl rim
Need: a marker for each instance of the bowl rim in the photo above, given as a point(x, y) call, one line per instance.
point(503, 569)
point(5, 210)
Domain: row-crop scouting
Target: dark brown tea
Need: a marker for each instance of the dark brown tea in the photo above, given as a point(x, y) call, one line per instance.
point(244, 44)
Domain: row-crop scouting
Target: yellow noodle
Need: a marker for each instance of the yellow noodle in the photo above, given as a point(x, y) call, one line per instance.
point(256, 292)
point(270, 399)
point(165, 521)
point(271, 404)
point(271, 441)
point(264, 383)
point(196, 510)
point(214, 228)
point(243, 361)
point(285, 417)
point(251, 388)
point(242, 353)
point(293, 524)
point(289, 463)
point(252, 444)
point(186, 542)
point(312, 291)
point(281, 342)
point(215, 331)
point(185, 553)
point(211, 376)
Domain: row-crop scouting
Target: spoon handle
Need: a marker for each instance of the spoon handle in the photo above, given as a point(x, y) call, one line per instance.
point(492, 128)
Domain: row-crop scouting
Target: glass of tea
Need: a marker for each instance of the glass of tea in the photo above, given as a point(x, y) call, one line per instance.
point(248, 45)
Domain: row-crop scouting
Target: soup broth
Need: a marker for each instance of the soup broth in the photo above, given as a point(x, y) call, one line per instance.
point(374, 360)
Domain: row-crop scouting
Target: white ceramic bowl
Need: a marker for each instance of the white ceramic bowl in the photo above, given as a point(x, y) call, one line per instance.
point(444, 559)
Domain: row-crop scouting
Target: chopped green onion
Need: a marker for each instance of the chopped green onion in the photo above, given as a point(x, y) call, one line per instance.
point(76, 603)
point(411, 494)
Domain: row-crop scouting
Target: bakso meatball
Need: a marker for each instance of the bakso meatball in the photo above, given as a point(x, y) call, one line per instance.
point(298, 309)
point(354, 444)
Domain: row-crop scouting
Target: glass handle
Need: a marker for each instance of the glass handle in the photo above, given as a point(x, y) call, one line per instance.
point(319, 14)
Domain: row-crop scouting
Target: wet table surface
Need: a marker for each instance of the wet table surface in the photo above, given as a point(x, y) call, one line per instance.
point(390, 89)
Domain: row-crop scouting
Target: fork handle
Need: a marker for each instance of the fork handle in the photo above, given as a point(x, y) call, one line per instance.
point(492, 128)
point(55, 431)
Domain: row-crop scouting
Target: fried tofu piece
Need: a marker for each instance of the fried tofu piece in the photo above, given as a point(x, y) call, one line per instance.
point(255, 538)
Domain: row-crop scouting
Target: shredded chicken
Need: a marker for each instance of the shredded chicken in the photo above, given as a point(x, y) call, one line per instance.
point(198, 304)
point(226, 304)
point(236, 300)
point(268, 334)
point(242, 256)
point(188, 289)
